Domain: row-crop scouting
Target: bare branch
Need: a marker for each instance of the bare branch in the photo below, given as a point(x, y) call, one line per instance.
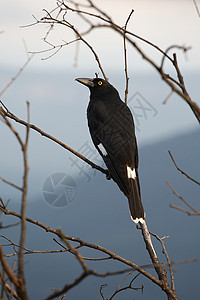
point(177, 86)
point(168, 96)
point(195, 211)
point(167, 257)
point(162, 284)
point(82, 243)
point(189, 177)
point(125, 57)
point(22, 289)
point(10, 183)
point(28, 251)
point(150, 249)
point(50, 19)
point(17, 75)
point(197, 8)
point(119, 290)
point(74, 251)
point(185, 49)
point(43, 133)
point(194, 107)
point(13, 278)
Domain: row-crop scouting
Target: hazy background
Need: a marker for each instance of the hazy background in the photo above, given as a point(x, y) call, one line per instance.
point(58, 106)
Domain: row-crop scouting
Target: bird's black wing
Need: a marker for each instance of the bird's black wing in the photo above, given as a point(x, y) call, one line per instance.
point(112, 131)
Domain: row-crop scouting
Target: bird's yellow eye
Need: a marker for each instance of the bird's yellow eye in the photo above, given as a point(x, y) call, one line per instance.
point(100, 82)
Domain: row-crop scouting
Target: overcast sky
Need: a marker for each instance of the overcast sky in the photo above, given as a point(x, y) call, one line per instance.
point(163, 22)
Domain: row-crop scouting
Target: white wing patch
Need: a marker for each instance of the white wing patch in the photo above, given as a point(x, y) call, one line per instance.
point(102, 149)
point(131, 173)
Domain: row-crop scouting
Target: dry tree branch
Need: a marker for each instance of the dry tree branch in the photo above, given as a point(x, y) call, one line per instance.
point(168, 96)
point(4, 289)
point(154, 258)
point(10, 115)
point(162, 284)
point(185, 49)
point(10, 183)
point(121, 289)
point(17, 75)
point(125, 57)
point(49, 19)
point(177, 86)
point(194, 211)
point(21, 288)
point(81, 242)
point(13, 278)
point(107, 19)
point(195, 108)
point(188, 176)
point(197, 8)
point(74, 251)
point(28, 251)
point(11, 291)
point(185, 210)
point(167, 257)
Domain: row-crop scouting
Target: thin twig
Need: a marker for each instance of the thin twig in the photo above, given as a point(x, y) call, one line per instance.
point(10, 183)
point(197, 8)
point(50, 19)
point(119, 290)
point(101, 288)
point(125, 57)
point(188, 176)
point(13, 278)
point(181, 198)
point(197, 213)
point(167, 257)
point(16, 76)
point(185, 49)
point(194, 107)
point(74, 251)
point(168, 96)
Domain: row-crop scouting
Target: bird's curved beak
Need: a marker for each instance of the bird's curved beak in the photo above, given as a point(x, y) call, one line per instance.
point(86, 81)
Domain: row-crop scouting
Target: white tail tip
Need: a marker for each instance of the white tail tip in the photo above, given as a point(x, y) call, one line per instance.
point(137, 220)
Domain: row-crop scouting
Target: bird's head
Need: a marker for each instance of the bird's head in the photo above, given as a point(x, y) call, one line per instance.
point(98, 86)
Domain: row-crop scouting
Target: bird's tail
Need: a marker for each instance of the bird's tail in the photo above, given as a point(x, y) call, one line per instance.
point(135, 204)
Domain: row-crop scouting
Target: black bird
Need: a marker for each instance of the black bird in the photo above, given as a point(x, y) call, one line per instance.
point(113, 133)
